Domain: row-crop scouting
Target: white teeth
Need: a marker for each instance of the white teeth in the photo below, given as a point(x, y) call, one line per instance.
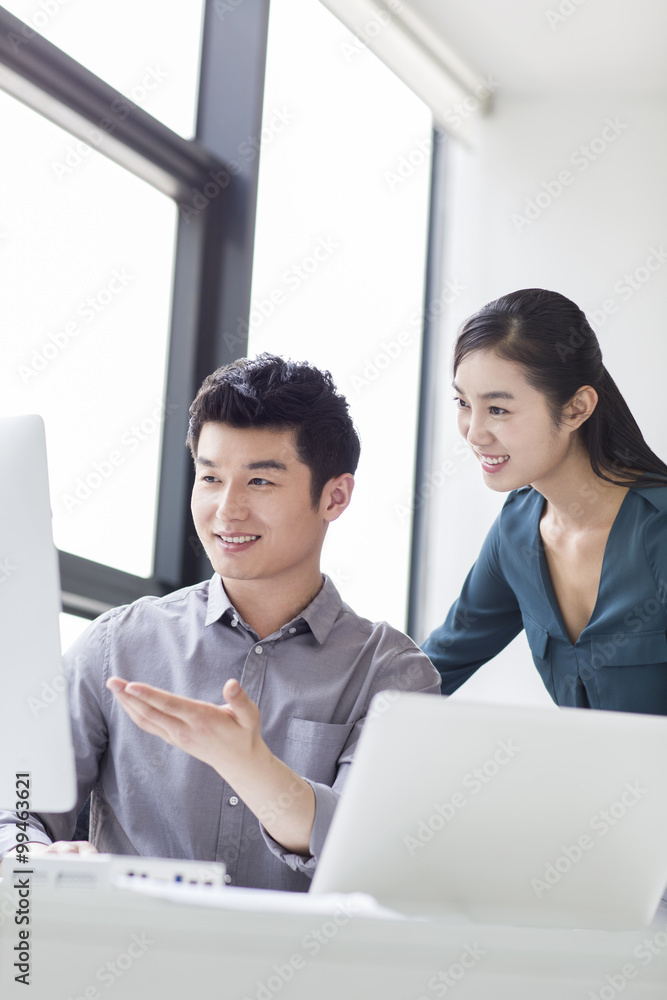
point(238, 539)
point(495, 461)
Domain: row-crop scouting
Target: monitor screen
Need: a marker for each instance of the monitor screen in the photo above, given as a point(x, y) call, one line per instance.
point(35, 742)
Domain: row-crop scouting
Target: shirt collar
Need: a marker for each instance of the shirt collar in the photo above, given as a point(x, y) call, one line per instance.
point(320, 614)
point(323, 610)
point(655, 495)
point(218, 602)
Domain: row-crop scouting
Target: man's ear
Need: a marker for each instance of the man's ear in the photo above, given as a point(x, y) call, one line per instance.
point(336, 495)
point(580, 407)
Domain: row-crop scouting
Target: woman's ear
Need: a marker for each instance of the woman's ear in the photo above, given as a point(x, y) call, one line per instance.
point(580, 407)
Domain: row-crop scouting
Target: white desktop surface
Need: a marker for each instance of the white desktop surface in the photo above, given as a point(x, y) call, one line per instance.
point(130, 946)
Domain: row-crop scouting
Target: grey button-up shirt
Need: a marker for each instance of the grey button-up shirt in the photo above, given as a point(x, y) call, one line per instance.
point(313, 680)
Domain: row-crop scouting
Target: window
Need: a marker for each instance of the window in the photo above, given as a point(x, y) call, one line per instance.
point(339, 269)
point(148, 51)
point(85, 301)
point(127, 253)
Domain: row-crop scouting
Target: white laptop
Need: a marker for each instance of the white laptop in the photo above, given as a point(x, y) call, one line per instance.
point(35, 735)
point(517, 816)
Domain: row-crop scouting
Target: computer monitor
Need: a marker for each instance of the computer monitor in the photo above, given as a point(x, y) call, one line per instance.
point(503, 814)
point(35, 737)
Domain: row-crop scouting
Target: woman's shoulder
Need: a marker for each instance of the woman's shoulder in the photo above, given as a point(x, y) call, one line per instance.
point(654, 497)
point(519, 518)
point(521, 503)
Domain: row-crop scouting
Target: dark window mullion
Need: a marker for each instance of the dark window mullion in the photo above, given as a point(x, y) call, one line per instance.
point(89, 587)
point(427, 388)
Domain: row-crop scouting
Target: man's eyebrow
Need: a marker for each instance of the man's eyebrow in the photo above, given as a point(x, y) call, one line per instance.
point(262, 463)
point(494, 394)
point(267, 463)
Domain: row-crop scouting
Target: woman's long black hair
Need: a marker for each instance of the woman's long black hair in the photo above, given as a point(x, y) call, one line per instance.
point(550, 337)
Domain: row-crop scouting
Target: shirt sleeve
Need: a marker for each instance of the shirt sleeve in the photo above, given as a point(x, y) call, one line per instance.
point(482, 621)
point(82, 664)
point(408, 670)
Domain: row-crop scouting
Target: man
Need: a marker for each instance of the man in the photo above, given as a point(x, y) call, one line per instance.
point(252, 782)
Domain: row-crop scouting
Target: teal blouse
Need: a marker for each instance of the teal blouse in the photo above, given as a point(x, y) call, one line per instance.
point(619, 661)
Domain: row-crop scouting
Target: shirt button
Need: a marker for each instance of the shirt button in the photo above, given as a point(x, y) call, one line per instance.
point(258, 649)
point(292, 631)
point(233, 801)
point(234, 622)
point(228, 879)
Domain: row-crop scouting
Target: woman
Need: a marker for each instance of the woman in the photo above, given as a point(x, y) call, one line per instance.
point(578, 554)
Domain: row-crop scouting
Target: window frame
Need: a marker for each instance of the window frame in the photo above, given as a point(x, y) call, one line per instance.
point(213, 261)
point(214, 246)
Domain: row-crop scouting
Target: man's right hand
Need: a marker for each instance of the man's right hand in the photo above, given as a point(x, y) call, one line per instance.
point(59, 847)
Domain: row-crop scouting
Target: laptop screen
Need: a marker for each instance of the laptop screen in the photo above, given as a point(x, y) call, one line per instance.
point(504, 815)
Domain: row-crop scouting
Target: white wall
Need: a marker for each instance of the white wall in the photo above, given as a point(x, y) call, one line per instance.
point(601, 226)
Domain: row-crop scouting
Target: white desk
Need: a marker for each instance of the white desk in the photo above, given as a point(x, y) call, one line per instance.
point(260, 945)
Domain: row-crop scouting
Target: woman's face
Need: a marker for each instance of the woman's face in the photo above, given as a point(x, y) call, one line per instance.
point(508, 424)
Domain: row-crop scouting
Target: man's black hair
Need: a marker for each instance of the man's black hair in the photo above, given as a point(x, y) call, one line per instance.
point(271, 392)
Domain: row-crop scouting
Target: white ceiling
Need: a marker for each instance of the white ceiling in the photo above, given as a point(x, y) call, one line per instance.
point(604, 47)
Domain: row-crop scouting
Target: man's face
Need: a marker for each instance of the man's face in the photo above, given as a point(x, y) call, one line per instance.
point(252, 508)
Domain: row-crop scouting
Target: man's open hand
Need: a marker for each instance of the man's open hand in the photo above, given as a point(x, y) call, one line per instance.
point(219, 735)
point(228, 737)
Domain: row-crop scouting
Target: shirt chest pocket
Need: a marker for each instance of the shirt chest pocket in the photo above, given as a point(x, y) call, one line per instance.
point(628, 649)
point(538, 638)
point(312, 749)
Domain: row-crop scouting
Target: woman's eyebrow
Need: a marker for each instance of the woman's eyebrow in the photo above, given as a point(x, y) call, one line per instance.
point(494, 394)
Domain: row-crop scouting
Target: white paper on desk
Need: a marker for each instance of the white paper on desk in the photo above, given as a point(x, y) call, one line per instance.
point(356, 904)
